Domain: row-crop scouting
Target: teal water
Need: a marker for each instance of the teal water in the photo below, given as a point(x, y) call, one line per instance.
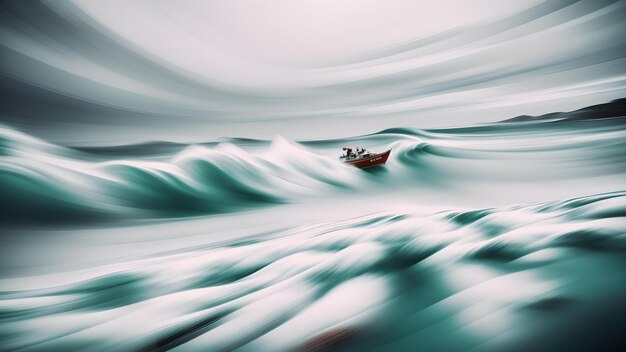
point(496, 237)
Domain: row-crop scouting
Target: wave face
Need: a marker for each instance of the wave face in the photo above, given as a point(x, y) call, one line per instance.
point(51, 182)
point(494, 237)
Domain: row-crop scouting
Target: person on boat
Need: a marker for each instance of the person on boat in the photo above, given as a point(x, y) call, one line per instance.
point(348, 151)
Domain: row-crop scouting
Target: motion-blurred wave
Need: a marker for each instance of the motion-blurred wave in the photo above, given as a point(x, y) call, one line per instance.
point(499, 237)
point(376, 281)
point(50, 182)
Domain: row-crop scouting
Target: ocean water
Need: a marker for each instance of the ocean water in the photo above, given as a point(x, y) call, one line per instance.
point(498, 237)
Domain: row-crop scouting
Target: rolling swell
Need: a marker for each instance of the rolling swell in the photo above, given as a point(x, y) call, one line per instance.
point(284, 283)
point(272, 292)
point(46, 182)
point(52, 183)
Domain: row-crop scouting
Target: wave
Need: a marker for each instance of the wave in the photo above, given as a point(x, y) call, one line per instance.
point(46, 182)
point(272, 291)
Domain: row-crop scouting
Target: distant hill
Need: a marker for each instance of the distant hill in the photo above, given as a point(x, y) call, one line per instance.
point(616, 108)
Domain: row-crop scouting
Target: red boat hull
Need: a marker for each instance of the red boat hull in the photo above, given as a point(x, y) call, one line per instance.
point(370, 161)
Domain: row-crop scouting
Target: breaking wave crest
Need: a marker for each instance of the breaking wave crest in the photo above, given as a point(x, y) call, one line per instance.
point(45, 179)
point(48, 182)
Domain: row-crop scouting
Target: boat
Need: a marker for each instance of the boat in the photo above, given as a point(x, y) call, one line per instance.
point(366, 159)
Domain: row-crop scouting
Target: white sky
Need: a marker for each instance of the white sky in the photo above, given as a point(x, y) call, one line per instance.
point(270, 44)
point(195, 70)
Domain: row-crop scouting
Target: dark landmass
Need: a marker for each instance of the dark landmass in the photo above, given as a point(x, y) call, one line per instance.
point(614, 109)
